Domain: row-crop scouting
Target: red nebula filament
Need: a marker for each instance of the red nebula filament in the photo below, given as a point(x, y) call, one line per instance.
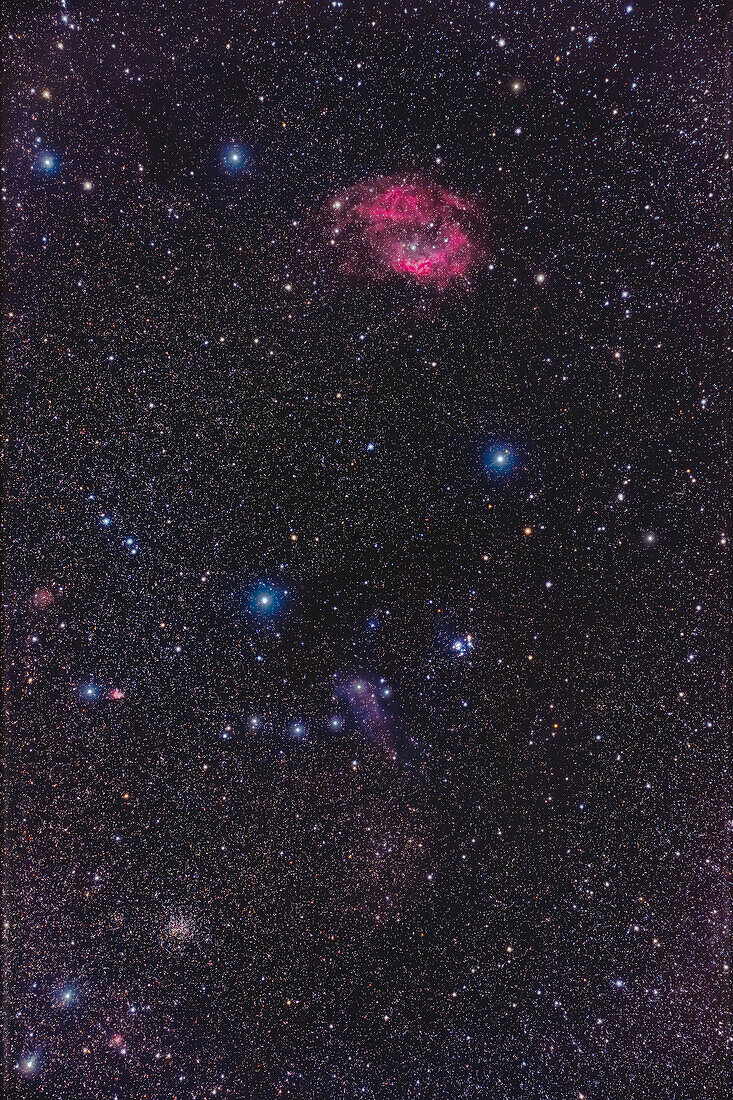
point(406, 227)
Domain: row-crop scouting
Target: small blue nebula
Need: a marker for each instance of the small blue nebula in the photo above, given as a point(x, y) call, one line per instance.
point(236, 159)
point(131, 546)
point(106, 521)
point(365, 699)
point(89, 691)
point(30, 1064)
point(68, 997)
point(336, 722)
point(297, 730)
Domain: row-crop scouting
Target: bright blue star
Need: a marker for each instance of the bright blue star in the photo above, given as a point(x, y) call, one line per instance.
point(499, 459)
point(46, 163)
point(236, 159)
point(265, 600)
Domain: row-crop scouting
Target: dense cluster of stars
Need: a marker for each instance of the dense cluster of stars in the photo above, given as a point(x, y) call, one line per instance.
point(366, 546)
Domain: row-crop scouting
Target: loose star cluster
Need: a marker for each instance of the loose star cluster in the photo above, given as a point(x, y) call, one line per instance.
point(365, 550)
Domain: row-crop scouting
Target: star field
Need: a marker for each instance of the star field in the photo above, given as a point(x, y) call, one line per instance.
point(365, 550)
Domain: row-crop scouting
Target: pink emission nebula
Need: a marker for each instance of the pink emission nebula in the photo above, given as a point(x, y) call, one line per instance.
point(407, 227)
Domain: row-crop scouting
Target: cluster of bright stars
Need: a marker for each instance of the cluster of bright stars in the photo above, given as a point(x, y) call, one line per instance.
point(461, 646)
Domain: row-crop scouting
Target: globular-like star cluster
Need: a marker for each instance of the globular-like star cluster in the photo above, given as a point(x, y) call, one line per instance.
point(365, 550)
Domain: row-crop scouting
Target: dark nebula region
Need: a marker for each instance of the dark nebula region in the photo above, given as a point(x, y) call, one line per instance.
point(406, 227)
point(366, 550)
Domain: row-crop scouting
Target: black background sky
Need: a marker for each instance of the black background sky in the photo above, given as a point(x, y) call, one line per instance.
point(444, 818)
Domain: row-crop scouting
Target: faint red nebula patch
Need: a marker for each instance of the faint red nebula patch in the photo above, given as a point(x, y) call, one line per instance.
point(42, 598)
point(405, 226)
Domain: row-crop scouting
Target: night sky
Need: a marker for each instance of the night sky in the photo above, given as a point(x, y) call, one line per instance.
point(365, 550)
